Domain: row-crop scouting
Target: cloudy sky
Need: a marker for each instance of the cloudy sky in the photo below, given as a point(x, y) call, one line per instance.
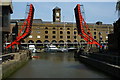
point(94, 11)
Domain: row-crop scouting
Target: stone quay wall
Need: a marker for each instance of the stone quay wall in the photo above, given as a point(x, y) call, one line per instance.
point(113, 70)
point(15, 62)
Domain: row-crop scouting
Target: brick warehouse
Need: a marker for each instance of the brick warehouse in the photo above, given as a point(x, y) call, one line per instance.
point(62, 33)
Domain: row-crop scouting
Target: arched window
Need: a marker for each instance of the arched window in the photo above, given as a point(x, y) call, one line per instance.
point(38, 36)
point(82, 42)
point(61, 32)
point(53, 27)
point(46, 27)
point(30, 41)
point(46, 41)
point(68, 28)
point(61, 28)
point(94, 33)
point(61, 41)
point(106, 41)
point(38, 41)
point(23, 41)
point(75, 32)
point(75, 28)
point(75, 37)
point(68, 32)
point(46, 32)
point(68, 41)
point(54, 41)
point(75, 41)
point(54, 32)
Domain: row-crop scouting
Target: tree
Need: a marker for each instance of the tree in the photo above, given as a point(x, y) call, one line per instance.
point(118, 8)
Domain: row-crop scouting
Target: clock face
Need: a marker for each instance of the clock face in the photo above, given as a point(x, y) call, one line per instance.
point(57, 14)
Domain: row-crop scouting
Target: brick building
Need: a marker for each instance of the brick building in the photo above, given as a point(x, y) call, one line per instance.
point(62, 33)
point(114, 38)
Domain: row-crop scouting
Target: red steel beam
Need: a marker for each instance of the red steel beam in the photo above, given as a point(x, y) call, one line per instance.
point(80, 22)
point(27, 25)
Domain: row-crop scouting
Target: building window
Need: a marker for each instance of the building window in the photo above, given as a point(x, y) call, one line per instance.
point(68, 32)
point(107, 32)
point(94, 37)
point(53, 27)
point(75, 41)
point(46, 32)
point(38, 36)
point(61, 36)
point(37, 28)
point(106, 37)
point(46, 41)
point(61, 32)
point(23, 41)
point(61, 28)
point(30, 36)
point(94, 33)
point(100, 37)
point(106, 41)
point(54, 32)
point(61, 41)
point(37, 31)
point(100, 33)
point(30, 41)
point(68, 41)
point(38, 41)
point(75, 28)
point(68, 37)
point(53, 36)
point(46, 27)
point(54, 41)
point(68, 28)
point(75, 37)
point(46, 37)
point(75, 32)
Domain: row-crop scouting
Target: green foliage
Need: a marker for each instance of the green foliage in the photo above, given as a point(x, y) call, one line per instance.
point(118, 6)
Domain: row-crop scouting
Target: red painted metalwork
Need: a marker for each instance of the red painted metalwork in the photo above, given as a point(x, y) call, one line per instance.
point(82, 25)
point(26, 27)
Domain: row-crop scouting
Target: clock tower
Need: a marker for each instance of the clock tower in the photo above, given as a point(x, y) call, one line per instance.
point(56, 14)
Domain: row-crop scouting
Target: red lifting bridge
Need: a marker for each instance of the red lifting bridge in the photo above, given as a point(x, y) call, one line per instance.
point(26, 27)
point(82, 27)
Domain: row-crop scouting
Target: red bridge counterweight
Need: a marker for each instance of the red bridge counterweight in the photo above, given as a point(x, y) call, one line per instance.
point(80, 22)
point(27, 25)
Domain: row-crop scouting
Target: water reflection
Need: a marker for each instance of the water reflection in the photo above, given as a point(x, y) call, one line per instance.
point(55, 57)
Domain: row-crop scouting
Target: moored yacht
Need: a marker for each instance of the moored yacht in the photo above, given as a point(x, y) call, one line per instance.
point(63, 50)
point(72, 49)
point(51, 48)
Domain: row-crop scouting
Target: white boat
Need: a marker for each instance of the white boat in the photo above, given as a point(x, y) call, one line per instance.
point(51, 48)
point(62, 50)
point(72, 49)
point(32, 48)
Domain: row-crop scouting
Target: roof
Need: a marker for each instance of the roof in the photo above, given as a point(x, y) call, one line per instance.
point(56, 7)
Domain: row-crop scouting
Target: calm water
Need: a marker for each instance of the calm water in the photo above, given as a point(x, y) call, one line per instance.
point(56, 65)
